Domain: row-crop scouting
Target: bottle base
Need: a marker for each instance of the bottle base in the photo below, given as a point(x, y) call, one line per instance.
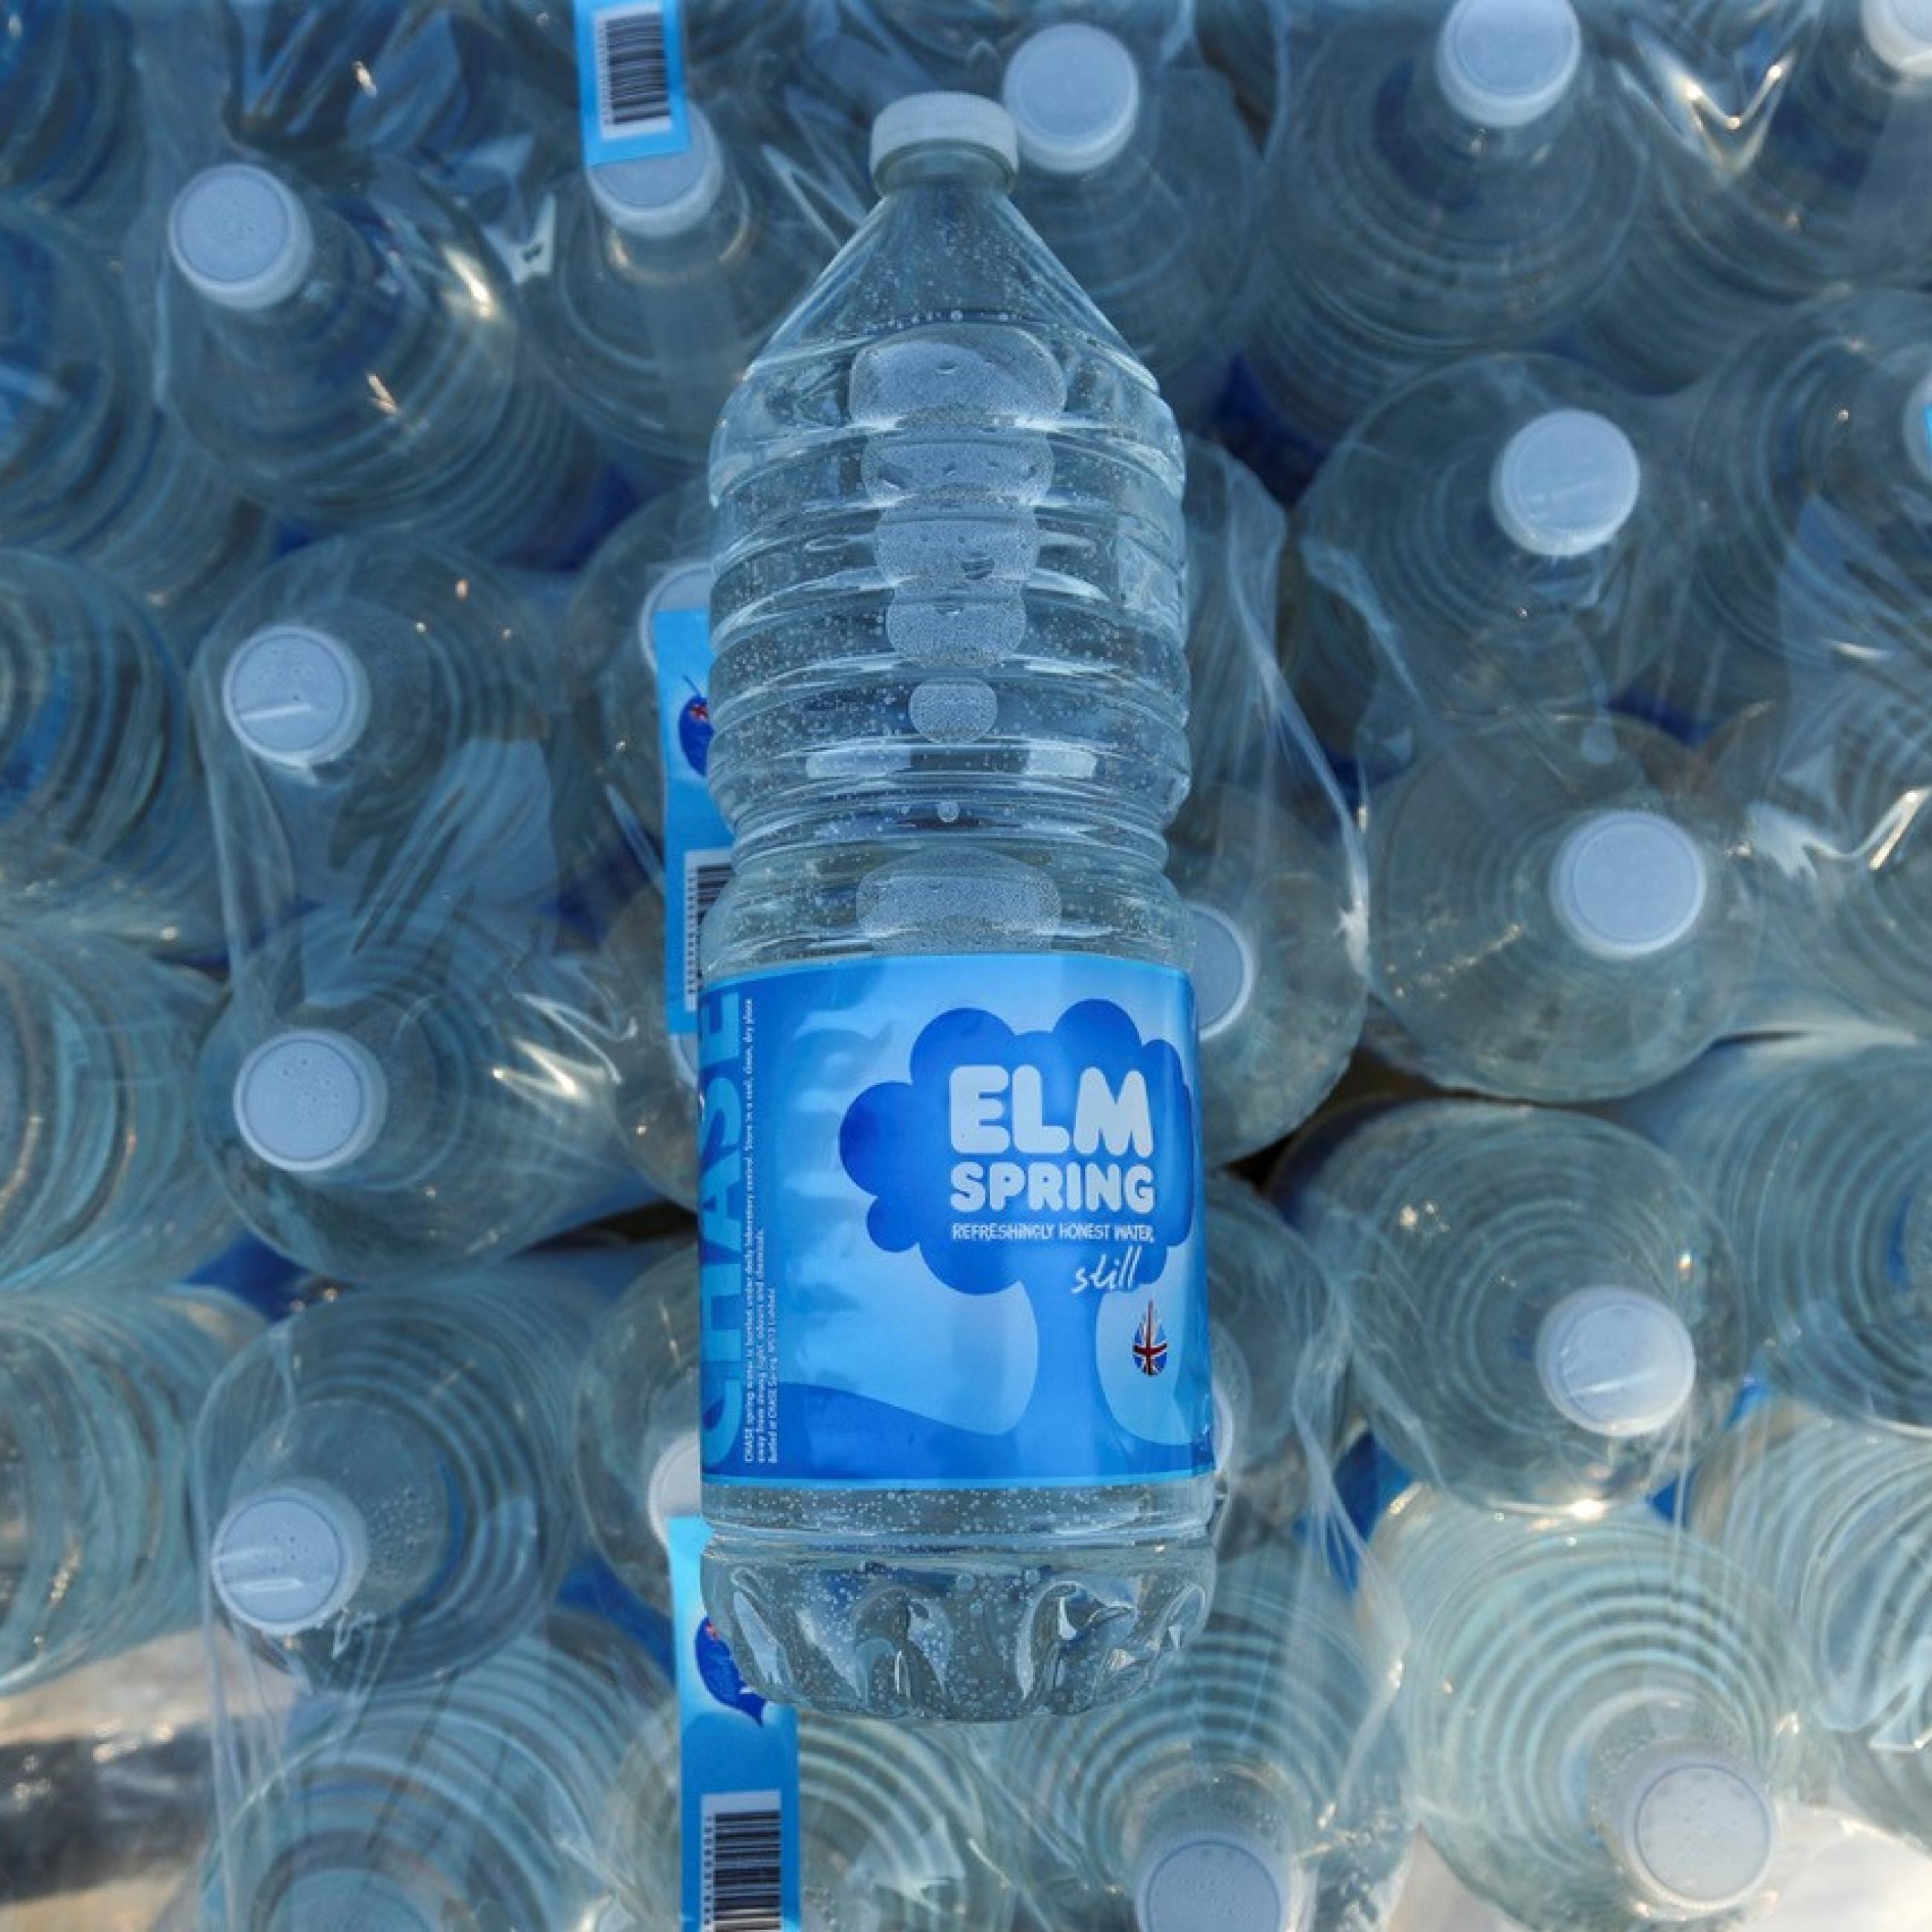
point(973, 1637)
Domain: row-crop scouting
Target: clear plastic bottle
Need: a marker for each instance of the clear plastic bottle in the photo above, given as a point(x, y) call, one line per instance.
point(104, 821)
point(482, 1799)
point(1544, 1311)
point(1262, 853)
point(103, 1183)
point(1835, 1520)
point(1814, 177)
point(949, 694)
point(1811, 1149)
point(1450, 180)
point(1561, 911)
point(893, 1832)
point(1810, 460)
point(385, 721)
point(72, 137)
point(1261, 1788)
point(99, 1391)
point(381, 1482)
point(88, 466)
point(380, 1104)
point(1627, 1703)
point(356, 357)
point(1834, 782)
point(1135, 173)
point(1279, 1363)
point(1475, 547)
point(668, 274)
point(638, 1460)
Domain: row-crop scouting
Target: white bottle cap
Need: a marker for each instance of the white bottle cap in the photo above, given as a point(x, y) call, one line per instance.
point(929, 120)
point(1565, 483)
point(1919, 428)
point(685, 586)
point(1211, 1882)
point(295, 697)
point(1899, 32)
point(1696, 1829)
point(1506, 63)
point(241, 237)
point(348, 1900)
point(1224, 970)
point(310, 1101)
point(1616, 1361)
point(675, 1487)
point(1627, 885)
point(1074, 95)
point(286, 1559)
point(663, 195)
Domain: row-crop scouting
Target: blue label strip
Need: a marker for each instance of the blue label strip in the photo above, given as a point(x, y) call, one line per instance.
point(630, 79)
point(697, 843)
point(738, 1759)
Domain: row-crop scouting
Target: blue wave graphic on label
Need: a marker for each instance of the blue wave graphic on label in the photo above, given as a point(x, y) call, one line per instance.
point(952, 1242)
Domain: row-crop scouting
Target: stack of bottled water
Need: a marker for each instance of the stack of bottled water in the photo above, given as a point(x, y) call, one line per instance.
point(1250, 1107)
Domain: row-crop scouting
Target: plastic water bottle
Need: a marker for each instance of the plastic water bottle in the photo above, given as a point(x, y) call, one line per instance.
point(949, 695)
point(1263, 853)
point(357, 359)
point(104, 1185)
point(1811, 460)
point(656, 562)
point(668, 274)
point(72, 140)
point(1249, 41)
point(1834, 781)
point(1260, 1786)
point(100, 1390)
point(1121, 163)
point(88, 467)
point(378, 1106)
point(1759, 203)
point(1440, 190)
point(639, 1462)
point(382, 1482)
point(1544, 1311)
point(1836, 1522)
point(893, 1831)
point(1811, 1149)
point(1560, 911)
point(1506, 572)
point(104, 823)
point(1626, 1702)
point(1280, 1360)
point(483, 1798)
point(385, 721)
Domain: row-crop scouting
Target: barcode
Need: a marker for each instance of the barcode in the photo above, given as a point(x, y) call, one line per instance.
point(706, 875)
point(633, 84)
point(743, 1863)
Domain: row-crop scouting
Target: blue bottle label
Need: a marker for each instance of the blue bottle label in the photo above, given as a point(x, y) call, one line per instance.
point(952, 1225)
point(697, 843)
point(738, 1769)
point(630, 79)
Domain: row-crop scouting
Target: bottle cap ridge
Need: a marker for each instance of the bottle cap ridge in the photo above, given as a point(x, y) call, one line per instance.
point(286, 1559)
point(1616, 1361)
point(1565, 483)
point(310, 1100)
point(938, 119)
point(1074, 95)
point(241, 237)
point(1503, 64)
point(1627, 885)
point(1899, 32)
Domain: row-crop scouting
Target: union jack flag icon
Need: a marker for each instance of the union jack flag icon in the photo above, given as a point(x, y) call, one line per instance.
point(1150, 1344)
